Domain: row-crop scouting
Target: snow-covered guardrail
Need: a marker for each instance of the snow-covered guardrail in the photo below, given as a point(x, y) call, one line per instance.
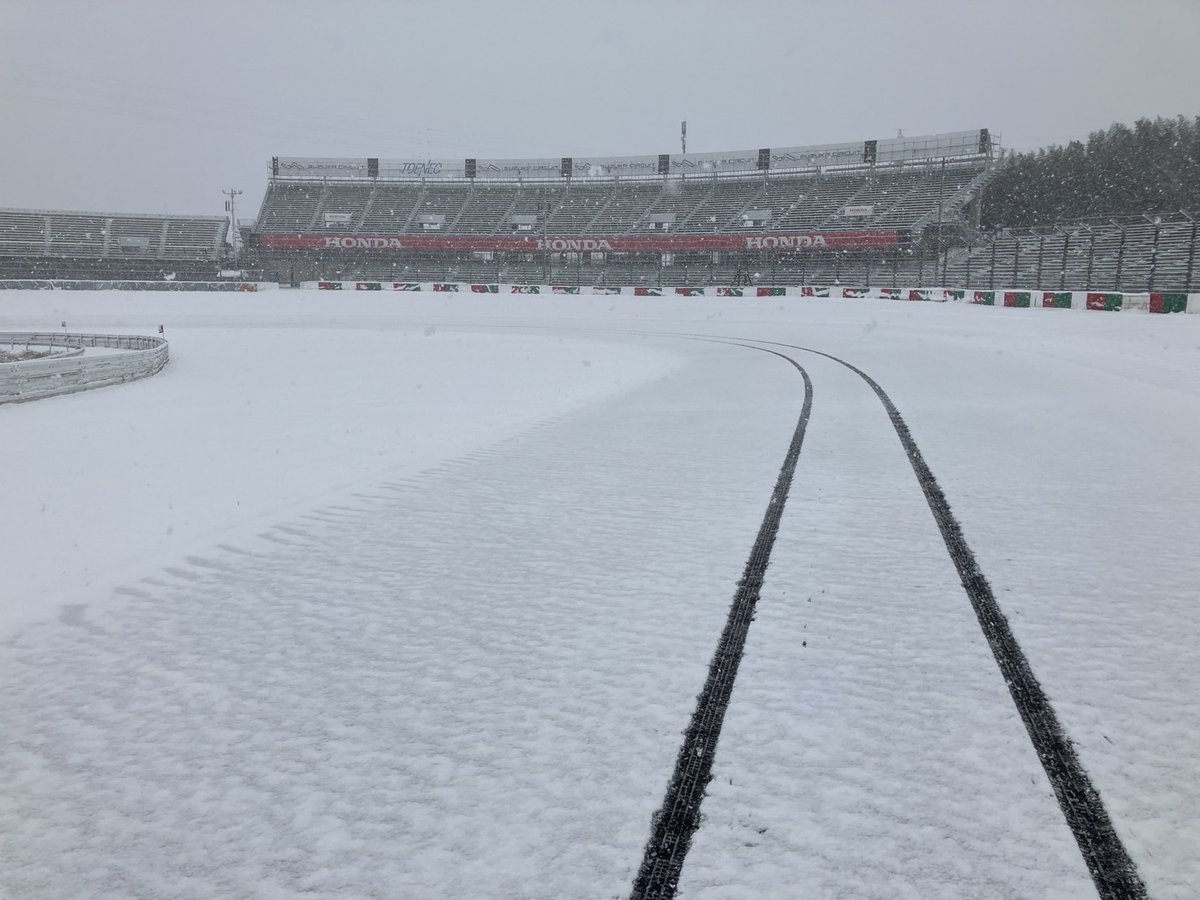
point(132, 356)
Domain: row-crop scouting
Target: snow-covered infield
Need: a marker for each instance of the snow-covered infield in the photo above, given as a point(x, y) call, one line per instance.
point(413, 596)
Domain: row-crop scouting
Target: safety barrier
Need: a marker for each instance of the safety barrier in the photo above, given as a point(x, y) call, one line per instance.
point(1013, 298)
point(62, 284)
point(133, 356)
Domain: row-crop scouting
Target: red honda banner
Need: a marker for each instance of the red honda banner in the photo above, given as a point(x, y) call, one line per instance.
point(674, 243)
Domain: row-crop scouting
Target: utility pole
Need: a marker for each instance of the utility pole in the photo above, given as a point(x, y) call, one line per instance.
point(683, 136)
point(231, 208)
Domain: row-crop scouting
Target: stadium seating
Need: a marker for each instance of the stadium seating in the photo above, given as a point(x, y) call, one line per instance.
point(1134, 255)
point(51, 244)
point(290, 207)
point(899, 197)
point(110, 235)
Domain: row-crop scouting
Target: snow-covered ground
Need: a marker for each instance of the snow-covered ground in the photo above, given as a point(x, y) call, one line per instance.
point(412, 596)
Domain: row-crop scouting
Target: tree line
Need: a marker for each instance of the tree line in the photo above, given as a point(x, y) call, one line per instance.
point(1153, 167)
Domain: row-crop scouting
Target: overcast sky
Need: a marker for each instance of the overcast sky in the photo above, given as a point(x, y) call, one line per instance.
point(158, 105)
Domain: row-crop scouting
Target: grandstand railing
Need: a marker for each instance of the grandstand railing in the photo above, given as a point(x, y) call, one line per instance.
point(975, 159)
point(918, 148)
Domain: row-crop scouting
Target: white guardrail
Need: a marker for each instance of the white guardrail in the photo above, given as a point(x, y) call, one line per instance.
point(136, 356)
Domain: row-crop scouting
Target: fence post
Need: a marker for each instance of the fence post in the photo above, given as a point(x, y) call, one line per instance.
point(1062, 279)
point(1187, 279)
point(1091, 259)
point(992, 273)
point(1154, 254)
point(1120, 258)
point(1041, 253)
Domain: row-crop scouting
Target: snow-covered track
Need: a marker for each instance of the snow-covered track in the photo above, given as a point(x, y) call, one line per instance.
point(679, 816)
point(136, 356)
point(1112, 869)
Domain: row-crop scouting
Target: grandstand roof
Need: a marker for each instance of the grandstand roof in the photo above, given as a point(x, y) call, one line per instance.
point(112, 215)
point(892, 150)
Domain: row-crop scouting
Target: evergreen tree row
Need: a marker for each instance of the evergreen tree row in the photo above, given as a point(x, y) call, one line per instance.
point(1153, 167)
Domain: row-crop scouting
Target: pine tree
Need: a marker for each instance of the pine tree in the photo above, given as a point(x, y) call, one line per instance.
point(1151, 168)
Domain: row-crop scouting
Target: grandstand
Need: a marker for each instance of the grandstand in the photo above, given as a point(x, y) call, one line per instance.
point(886, 213)
point(1144, 253)
point(841, 212)
point(901, 198)
point(45, 244)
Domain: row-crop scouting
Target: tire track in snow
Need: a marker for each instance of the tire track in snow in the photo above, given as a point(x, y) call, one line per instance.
point(1112, 869)
point(679, 816)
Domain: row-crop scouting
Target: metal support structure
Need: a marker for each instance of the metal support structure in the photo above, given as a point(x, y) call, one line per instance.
point(1187, 279)
point(1091, 259)
point(1062, 275)
point(1120, 258)
point(1041, 254)
point(544, 214)
point(941, 201)
point(233, 234)
point(1154, 253)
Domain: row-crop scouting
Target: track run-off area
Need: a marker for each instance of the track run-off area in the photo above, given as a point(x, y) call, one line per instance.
point(418, 598)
